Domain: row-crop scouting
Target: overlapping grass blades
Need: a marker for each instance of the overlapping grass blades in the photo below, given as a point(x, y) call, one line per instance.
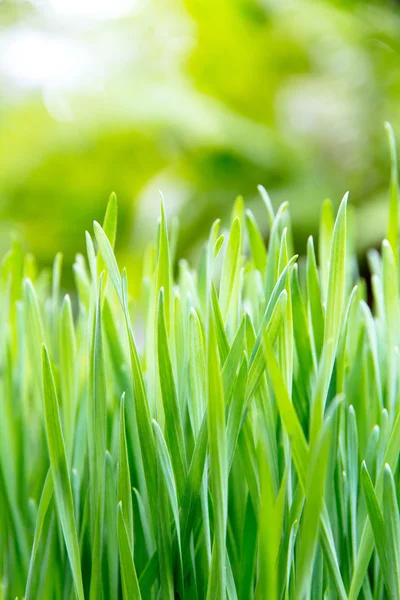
point(246, 446)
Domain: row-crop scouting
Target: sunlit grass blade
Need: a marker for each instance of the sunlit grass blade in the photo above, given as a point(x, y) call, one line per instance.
point(218, 467)
point(308, 532)
point(324, 244)
point(173, 419)
point(393, 229)
point(257, 245)
point(124, 495)
point(60, 473)
point(230, 269)
point(169, 481)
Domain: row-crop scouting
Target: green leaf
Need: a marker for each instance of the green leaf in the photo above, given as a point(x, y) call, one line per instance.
point(67, 352)
point(378, 528)
point(169, 481)
point(392, 528)
point(308, 532)
point(124, 494)
point(130, 583)
point(314, 301)
point(393, 229)
point(267, 202)
point(257, 246)
point(230, 269)
point(325, 244)
point(60, 473)
point(45, 499)
point(173, 419)
point(218, 467)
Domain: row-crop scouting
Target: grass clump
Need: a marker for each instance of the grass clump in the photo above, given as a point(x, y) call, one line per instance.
point(246, 448)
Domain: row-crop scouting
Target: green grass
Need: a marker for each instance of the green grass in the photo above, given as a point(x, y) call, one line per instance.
point(235, 434)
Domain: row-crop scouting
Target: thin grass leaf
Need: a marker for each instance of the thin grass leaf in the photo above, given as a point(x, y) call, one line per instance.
point(218, 467)
point(393, 228)
point(60, 473)
point(130, 583)
point(378, 528)
point(230, 269)
point(173, 419)
point(392, 528)
point(124, 493)
point(45, 499)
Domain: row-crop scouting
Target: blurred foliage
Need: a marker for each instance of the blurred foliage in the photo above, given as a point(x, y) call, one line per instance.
point(200, 99)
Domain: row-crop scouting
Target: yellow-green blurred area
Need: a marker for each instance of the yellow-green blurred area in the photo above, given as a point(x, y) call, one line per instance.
point(201, 99)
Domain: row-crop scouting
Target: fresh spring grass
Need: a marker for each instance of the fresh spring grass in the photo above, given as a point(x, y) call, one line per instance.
point(246, 447)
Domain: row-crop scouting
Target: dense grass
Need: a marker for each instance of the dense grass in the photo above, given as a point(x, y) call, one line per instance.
point(236, 435)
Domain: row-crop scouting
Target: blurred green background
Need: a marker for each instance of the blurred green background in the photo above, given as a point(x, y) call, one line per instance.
point(201, 99)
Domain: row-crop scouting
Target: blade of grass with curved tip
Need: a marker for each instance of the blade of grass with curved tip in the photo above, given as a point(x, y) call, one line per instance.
point(257, 246)
point(222, 338)
point(55, 298)
point(108, 256)
point(60, 474)
point(314, 301)
point(271, 271)
point(272, 328)
point(336, 282)
point(67, 353)
point(206, 267)
point(268, 204)
point(146, 437)
point(197, 365)
point(230, 269)
point(393, 228)
point(45, 499)
point(352, 471)
point(333, 318)
point(164, 275)
point(33, 328)
point(109, 227)
point(275, 295)
point(92, 258)
point(173, 418)
point(325, 244)
point(232, 361)
point(130, 583)
point(287, 412)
